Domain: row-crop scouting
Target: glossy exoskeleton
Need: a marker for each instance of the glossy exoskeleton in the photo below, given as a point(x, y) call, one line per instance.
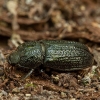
point(54, 54)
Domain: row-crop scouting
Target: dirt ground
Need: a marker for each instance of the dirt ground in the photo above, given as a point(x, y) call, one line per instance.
point(28, 20)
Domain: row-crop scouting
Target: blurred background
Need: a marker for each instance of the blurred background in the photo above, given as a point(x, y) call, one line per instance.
point(27, 20)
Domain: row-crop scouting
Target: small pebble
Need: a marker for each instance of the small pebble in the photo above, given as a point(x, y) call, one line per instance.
point(72, 99)
point(16, 90)
point(15, 98)
point(63, 95)
point(28, 95)
point(3, 93)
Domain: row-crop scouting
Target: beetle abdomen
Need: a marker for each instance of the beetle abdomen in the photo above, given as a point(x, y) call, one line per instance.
point(66, 55)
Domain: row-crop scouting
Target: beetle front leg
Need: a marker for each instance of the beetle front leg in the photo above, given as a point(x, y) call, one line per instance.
point(27, 75)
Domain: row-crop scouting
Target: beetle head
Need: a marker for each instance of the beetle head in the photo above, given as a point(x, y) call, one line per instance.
point(13, 58)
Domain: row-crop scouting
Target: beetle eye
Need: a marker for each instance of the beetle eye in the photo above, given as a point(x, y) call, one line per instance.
point(13, 59)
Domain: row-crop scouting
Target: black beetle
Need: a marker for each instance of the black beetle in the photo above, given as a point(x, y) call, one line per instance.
point(54, 54)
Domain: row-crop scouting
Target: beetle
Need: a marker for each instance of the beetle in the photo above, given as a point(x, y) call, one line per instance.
point(58, 55)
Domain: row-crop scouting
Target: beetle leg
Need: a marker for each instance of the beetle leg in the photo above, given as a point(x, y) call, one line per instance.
point(27, 75)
